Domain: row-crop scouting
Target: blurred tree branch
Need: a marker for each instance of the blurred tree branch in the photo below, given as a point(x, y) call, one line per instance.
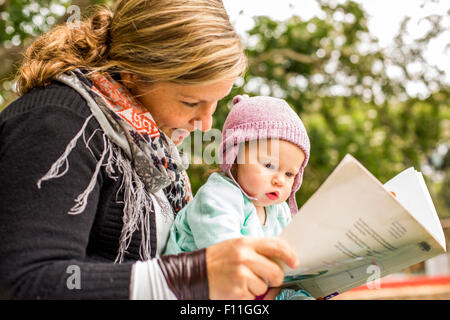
point(284, 53)
point(11, 57)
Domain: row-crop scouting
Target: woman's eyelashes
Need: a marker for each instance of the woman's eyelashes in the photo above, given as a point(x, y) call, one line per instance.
point(190, 104)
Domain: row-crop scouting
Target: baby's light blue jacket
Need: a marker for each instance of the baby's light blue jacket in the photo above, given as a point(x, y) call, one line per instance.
point(220, 211)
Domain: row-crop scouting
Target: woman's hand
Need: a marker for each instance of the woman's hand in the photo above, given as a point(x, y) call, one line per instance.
point(239, 268)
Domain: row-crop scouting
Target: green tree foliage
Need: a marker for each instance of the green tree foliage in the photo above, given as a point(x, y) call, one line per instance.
point(334, 74)
point(21, 21)
point(353, 96)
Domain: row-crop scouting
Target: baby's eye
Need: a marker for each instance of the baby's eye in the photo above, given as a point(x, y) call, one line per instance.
point(290, 174)
point(268, 165)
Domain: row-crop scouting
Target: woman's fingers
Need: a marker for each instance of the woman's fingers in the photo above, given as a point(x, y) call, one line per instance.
point(259, 265)
point(279, 249)
point(238, 268)
point(256, 286)
point(229, 276)
point(258, 257)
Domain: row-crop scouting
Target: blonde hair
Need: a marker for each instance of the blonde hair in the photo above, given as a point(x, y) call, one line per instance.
point(185, 42)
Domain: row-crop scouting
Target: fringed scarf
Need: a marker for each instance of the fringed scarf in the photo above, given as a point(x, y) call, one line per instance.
point(148, 160)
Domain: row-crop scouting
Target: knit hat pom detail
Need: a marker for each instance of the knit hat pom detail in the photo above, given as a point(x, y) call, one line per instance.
point(239, 98)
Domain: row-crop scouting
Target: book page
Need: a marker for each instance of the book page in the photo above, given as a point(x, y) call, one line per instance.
point(327, 286)
point(411, 191)
point(349, 222)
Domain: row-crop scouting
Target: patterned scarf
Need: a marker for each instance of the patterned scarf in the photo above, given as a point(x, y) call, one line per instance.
point(148, 160)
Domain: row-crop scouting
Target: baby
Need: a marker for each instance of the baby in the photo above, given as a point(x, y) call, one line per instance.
point(264, 151)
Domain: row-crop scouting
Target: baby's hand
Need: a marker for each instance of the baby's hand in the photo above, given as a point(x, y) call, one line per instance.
point(290, 294)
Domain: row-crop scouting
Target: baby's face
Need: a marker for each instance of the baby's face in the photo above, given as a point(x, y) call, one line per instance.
point(266, 170)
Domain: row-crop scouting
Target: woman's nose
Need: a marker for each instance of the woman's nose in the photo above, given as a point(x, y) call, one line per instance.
point(203, 120)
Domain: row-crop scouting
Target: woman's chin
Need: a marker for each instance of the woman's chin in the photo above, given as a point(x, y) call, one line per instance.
point(178, 135)
point(178, 142)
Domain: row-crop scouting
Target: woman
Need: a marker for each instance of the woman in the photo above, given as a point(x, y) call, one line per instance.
point(90, 174)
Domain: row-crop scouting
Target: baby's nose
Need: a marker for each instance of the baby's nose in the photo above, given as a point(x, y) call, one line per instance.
point(278, 179)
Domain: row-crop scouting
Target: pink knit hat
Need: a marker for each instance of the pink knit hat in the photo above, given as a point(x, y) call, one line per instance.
point(257, 118)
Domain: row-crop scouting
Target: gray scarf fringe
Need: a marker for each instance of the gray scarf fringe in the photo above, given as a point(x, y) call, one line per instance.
point(136, 198)
point(138, 202)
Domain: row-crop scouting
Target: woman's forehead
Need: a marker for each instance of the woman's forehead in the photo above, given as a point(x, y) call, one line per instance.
point(204, 92)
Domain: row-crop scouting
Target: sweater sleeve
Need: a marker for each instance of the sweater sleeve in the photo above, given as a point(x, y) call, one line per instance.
point(42, 247)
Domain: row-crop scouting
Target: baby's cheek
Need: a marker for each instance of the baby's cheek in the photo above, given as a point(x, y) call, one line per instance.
point(289, 188)
point(286, 194)
point(256, 182)
point(261, 181)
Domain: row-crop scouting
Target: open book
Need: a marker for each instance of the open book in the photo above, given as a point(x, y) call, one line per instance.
point(355, 229)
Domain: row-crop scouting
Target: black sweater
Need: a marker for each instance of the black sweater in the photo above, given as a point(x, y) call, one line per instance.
point(39, 241)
